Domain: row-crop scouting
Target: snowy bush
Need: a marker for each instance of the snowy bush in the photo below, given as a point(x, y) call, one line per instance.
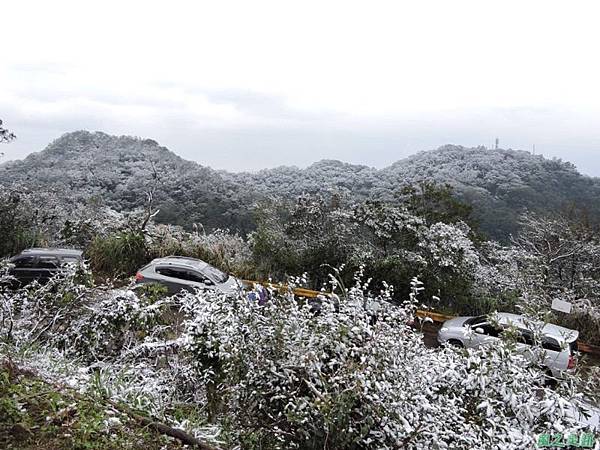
point(284, 374)
point(289, 378)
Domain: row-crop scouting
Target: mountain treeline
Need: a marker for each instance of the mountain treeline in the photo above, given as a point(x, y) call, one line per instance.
point(121, 172)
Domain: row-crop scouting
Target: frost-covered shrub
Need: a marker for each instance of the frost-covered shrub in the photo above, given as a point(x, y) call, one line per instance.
point(221, 248)
point(115, 322)
point(35, 313)
point(449, 247)
point(359, 378)
point(285, 374)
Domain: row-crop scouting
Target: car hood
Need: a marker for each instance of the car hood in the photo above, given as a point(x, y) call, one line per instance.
point(560, 333)
point(232, 285)
point(457, 322)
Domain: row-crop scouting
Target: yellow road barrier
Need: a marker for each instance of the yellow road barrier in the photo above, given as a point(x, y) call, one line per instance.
point(436, 317)
point(283, 288)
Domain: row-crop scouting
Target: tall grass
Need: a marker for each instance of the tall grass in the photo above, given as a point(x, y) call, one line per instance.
point(118, 255)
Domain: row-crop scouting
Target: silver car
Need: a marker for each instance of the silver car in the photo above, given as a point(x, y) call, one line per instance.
point(559, 344)
point(179, 273)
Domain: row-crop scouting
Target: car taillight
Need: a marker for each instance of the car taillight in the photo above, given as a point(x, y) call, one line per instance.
point(139, 277)
point(572, 362)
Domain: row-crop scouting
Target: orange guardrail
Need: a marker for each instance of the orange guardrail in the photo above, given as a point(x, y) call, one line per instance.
point(588, 348)
point(438, 317)
point(300, 292)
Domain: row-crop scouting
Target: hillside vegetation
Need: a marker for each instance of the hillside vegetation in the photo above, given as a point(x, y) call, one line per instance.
point(498, 184)
point(266, 369)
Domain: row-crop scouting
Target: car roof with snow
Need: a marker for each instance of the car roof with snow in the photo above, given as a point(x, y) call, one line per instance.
point(52, 251)
point(180, 261)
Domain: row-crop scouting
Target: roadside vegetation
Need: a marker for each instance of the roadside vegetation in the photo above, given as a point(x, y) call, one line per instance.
point(428, 234)
point(229, 372)
point(234, 374)
point(36, 414)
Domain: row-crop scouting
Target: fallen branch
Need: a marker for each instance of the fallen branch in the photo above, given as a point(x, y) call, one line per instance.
point(162, 428)
point(145, 421)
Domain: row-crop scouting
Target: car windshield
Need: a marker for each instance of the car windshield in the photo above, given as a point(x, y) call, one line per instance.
point(215, 274)
point(473, 321)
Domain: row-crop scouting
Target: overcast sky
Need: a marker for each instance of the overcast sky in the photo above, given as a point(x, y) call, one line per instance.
point(253, 84)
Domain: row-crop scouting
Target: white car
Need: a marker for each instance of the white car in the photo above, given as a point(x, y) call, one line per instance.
point(559, 344)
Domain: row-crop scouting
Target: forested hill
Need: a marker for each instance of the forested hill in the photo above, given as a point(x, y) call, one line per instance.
point(501, 183)
point(119, 170)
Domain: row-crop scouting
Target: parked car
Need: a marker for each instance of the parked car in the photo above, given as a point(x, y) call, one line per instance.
point(41, 264)
point(559, 344)
point(179, 273)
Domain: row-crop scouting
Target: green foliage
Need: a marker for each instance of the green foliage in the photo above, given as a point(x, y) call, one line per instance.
point(474, 305)
point(119, 255)
point(152, 292)
point(436, 203)
point(35, 415)
point(17, 222)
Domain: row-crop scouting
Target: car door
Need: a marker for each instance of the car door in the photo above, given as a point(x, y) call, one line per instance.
point(554, 357)
point(524, 342)
point(173, 278)
point(46, 267)
point(484, 334)
point(199, 281)
point(24, 270)
point(177, 279)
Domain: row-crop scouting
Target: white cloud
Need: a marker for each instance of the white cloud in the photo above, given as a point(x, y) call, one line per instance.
point(319, 71)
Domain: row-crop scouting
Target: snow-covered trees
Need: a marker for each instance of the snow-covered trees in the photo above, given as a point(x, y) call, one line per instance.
point(5, 134)
point(282, 375)
point(28, 218)
point(498, 184)
point(392, 242)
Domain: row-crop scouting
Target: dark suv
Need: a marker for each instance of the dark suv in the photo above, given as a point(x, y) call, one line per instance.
point(41, 264)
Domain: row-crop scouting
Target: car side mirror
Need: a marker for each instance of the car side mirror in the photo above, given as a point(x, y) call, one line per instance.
point(479, 330)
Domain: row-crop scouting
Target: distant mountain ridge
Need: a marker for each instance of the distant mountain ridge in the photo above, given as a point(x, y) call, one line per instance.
point(499, 184)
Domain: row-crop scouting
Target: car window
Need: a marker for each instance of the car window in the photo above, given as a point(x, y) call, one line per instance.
point(525, 337)
point(549, 343)
point(475, 321)
point(573, 347)
point(183, 274)
point(490, 329)
point(47, 262)
point(25, 262)
point(198, 277)
point(172, 272)
point(69, 259)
